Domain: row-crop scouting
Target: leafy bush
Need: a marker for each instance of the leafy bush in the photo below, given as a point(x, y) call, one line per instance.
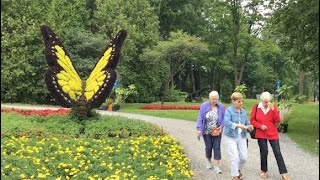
point(173, 95)
point(284, 112)
point(58, 125)
point(227, 90)
point(286, 92)
point(123, 93)
point(114, 126)
point(241, 89)
point(34, 125)
point(300, 98)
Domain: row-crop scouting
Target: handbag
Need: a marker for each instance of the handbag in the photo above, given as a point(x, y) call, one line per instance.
point(253, 132)
point(215, 132)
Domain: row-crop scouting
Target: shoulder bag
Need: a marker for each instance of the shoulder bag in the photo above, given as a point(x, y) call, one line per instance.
point(253, 132)
point(215, 132)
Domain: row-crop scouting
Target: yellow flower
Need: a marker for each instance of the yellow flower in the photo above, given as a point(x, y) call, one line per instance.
point(80, 149)
point(41, 176)
point(22, 176)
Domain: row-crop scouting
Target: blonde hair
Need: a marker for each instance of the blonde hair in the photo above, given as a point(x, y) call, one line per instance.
point(265, 96)
point(235, 96)
point(213, 93)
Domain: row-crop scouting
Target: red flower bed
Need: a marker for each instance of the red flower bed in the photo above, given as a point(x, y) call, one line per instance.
point(170, 107)
point(44, 112)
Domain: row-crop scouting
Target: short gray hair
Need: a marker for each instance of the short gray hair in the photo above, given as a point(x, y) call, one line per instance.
point(265, 96)
point(213, 93)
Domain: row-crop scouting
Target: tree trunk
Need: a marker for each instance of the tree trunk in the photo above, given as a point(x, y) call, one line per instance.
point(197, 78)
point(301, 81)
point(192, 79)
point(236, 29)
point(165, 92)
point(168, 79)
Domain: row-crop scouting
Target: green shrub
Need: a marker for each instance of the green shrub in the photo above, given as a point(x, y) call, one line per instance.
point(300, 99)
point(115, 126)
point(34, 125)
point(173, 95)
point(227, 90)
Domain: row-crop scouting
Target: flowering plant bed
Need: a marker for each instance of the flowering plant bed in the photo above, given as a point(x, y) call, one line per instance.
point(170, 107)
point(44, 112)
point(112, 148)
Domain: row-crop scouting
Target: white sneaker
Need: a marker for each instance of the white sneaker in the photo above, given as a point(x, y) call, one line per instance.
point(217, 169)
point(209, 165)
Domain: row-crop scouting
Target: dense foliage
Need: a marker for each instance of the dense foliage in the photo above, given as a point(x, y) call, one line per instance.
point(224, 44)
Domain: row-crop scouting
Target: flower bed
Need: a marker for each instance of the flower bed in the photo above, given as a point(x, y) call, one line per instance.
point(44, 112)
point(135, 158)
point(126, 153)
point(170, 107)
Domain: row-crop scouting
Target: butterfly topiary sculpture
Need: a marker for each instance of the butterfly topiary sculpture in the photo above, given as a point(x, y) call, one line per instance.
point(63, 80)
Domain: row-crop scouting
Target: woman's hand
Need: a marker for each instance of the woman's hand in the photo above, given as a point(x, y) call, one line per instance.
point(250, 128)
point(220, 129)
point(242, 126)
point(198, 133)
point(264, 127)
point(270, 105)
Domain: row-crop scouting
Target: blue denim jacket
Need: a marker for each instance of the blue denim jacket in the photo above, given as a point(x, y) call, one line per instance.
point(231, 119)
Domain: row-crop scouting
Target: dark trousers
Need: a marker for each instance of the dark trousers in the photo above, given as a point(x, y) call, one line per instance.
point(212, 142)
point(276, 151)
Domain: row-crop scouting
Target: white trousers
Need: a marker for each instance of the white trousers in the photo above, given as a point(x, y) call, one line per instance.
point(238, 152)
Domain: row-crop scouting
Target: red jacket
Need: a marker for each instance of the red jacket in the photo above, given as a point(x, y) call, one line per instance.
point(270, 119)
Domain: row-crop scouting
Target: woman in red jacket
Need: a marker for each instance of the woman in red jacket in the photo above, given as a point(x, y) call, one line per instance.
point(266, 130)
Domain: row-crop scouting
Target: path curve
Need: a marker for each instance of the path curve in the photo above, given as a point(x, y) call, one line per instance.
point(300, 165)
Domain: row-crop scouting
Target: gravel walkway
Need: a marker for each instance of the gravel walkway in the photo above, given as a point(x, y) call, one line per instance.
point(300, 165)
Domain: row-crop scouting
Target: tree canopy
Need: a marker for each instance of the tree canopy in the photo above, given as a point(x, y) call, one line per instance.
point(172, 46)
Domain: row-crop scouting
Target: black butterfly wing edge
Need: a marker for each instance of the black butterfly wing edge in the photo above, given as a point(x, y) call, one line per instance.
point(50, 40)
point(105, 90)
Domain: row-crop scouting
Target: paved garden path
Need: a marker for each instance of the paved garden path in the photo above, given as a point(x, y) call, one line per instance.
point(300, 165)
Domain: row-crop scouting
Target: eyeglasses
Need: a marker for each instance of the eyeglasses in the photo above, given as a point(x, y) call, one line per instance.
point(240, 101)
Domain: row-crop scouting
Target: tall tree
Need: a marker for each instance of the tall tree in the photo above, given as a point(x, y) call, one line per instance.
point(185, 15)
point(22, 64)
point(299, 34)
point(173, 54)
point(141, 22)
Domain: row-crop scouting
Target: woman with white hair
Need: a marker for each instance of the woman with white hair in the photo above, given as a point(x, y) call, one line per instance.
point(211, 115)
point(264, 117)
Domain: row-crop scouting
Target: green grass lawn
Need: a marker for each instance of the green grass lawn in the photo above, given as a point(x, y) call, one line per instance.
point(304, 126)
point(190, 115)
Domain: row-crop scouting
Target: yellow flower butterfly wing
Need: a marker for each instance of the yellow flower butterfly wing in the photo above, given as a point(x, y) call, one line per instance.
point(62, 79)
point(100, 82)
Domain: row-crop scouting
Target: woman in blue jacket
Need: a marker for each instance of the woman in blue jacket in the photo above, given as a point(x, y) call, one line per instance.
point(236, 126)
point(211, 115)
